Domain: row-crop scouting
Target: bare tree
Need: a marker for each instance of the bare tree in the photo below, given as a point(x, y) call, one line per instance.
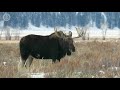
point(8, 33)
point(17, 34)
point(81, 32)
point(88, 36)
point(54, 28)
point(86, 31)
point(104, 27)
point(1, 34)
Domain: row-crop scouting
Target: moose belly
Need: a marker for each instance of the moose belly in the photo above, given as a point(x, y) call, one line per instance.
point(47, 53)
point(43, 56)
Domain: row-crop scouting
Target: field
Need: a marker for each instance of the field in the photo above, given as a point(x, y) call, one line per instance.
point(92, 59)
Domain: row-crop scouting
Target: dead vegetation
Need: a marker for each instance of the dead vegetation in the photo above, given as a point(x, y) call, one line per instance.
point(91, 60)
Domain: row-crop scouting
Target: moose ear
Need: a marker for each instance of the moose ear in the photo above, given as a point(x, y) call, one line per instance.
point(70, 34)
point(56, 32)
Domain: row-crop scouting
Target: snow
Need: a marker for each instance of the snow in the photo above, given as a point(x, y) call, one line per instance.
point(104, 16)
point(1, 24)
point(93, 32)
point(101, 72)
point(97, 33)
point(37, 75)
point(4, 63)
point(77, 13)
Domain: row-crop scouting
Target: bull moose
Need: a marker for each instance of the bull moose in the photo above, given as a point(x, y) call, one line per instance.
point(54, 46)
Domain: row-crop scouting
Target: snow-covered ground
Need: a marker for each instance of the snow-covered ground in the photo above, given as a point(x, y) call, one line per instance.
point(93, 31)
point(36, 75)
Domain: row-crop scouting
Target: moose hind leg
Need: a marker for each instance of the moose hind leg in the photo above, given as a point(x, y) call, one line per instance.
point(29, 61)
point(58, 60)
point(23, 59)
point(23, 62)
point(53, 61)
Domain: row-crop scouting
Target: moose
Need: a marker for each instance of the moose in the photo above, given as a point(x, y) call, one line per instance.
point(54, 46)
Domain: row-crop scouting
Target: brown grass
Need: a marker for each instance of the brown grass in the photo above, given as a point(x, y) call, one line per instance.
point(91, 60)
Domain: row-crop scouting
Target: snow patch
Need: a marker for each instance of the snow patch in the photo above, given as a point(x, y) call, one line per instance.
point(93, 32)
point(104, 16)
point(36, 75)
point(4, 63)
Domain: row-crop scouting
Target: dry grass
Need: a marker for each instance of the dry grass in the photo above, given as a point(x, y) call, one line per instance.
point(91, 60)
